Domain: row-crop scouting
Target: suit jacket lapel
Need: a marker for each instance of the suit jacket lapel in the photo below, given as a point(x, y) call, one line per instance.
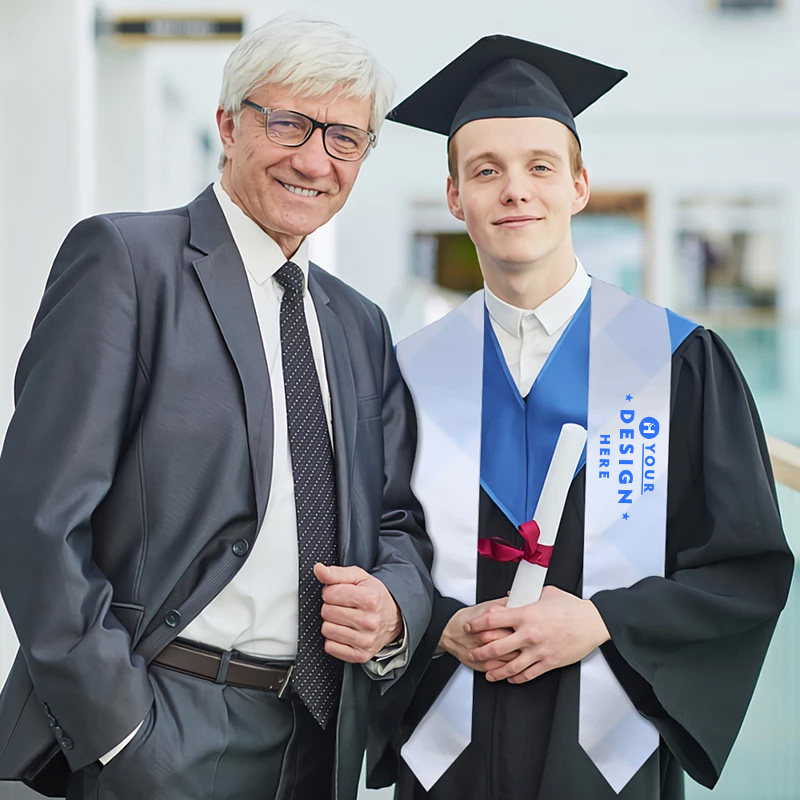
point(344, 406)
point(224, 281)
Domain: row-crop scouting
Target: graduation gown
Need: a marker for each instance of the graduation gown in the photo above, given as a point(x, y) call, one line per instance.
point(686, 648)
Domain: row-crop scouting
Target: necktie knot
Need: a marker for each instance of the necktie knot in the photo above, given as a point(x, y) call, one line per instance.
point(290, 276)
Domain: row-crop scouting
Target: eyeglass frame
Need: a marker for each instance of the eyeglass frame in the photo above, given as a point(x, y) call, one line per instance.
point(323, 126)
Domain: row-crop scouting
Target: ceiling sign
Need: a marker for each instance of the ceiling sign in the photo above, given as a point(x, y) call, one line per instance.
point(747, 5)
point(172, 27)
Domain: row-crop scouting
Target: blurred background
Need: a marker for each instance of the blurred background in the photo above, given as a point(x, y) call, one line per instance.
point(109, 106)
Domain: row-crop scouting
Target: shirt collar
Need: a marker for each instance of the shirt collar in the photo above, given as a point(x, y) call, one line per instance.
point(261, 254)
point(552, 314)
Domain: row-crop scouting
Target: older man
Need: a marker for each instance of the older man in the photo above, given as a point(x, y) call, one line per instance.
point(208, 544)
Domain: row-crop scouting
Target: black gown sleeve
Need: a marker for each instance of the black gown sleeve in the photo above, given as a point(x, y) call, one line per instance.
point(394, 715)
point(688, 648)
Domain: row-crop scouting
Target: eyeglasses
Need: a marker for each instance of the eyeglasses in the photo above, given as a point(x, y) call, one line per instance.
point(291, 129)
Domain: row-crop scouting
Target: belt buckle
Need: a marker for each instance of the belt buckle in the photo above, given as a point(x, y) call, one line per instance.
point(286, 681)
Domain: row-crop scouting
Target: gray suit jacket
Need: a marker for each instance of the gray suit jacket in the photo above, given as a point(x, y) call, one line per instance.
point(140, 451)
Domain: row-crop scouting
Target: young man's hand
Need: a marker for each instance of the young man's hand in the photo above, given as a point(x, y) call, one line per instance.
point(360, 616)
point(457, 641)
point(558, 630)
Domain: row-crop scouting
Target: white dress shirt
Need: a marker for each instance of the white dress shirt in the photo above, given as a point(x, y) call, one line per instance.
point(527, 337)
point(257, 612)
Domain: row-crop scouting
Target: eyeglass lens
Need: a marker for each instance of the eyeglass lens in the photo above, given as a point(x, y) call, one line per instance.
point(291, 129)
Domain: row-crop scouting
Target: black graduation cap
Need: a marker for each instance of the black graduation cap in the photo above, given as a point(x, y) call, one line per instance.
point(501, 76)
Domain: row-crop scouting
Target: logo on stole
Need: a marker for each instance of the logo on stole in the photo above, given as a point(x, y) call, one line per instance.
point(649, 427)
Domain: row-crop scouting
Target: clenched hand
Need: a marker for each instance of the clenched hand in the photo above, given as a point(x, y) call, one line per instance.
point(360, 616)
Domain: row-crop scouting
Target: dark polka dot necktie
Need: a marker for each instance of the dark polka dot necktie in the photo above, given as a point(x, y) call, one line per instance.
point(317, 676)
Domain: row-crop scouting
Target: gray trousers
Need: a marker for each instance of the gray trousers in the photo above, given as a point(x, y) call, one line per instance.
point(208, 741)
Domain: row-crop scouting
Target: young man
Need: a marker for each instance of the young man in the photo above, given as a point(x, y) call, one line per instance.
point(670, 567)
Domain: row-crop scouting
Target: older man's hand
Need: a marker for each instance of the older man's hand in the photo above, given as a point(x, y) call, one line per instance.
point(360, 616)
point(558, 630)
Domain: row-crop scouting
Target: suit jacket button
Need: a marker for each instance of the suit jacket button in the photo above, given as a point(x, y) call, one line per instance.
point(240, 547)
point(173, 618)
point(66, 743)
point(58, 733)
point(52, 720)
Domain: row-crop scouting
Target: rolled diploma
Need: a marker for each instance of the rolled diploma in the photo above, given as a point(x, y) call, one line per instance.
point(529, 578)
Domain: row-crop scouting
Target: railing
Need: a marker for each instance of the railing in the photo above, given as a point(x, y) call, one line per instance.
point(785, 462)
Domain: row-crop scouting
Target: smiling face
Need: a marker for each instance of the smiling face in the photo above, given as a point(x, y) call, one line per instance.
point(289, 191)
point(516, 191)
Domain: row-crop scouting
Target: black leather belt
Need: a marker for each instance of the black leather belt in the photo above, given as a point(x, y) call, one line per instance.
point(224, 667)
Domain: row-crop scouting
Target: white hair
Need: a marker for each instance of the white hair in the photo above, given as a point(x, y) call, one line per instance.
point(310, 57)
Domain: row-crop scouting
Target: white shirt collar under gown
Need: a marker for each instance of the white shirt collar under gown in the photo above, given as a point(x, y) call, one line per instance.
point(527, 337)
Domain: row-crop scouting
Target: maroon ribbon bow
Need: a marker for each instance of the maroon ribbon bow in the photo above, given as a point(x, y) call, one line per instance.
point(500, 550)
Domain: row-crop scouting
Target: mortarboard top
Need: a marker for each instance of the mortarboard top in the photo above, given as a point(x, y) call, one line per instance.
point(501, 76)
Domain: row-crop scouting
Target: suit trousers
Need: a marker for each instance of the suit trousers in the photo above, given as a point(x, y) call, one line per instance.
point(207, 741)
